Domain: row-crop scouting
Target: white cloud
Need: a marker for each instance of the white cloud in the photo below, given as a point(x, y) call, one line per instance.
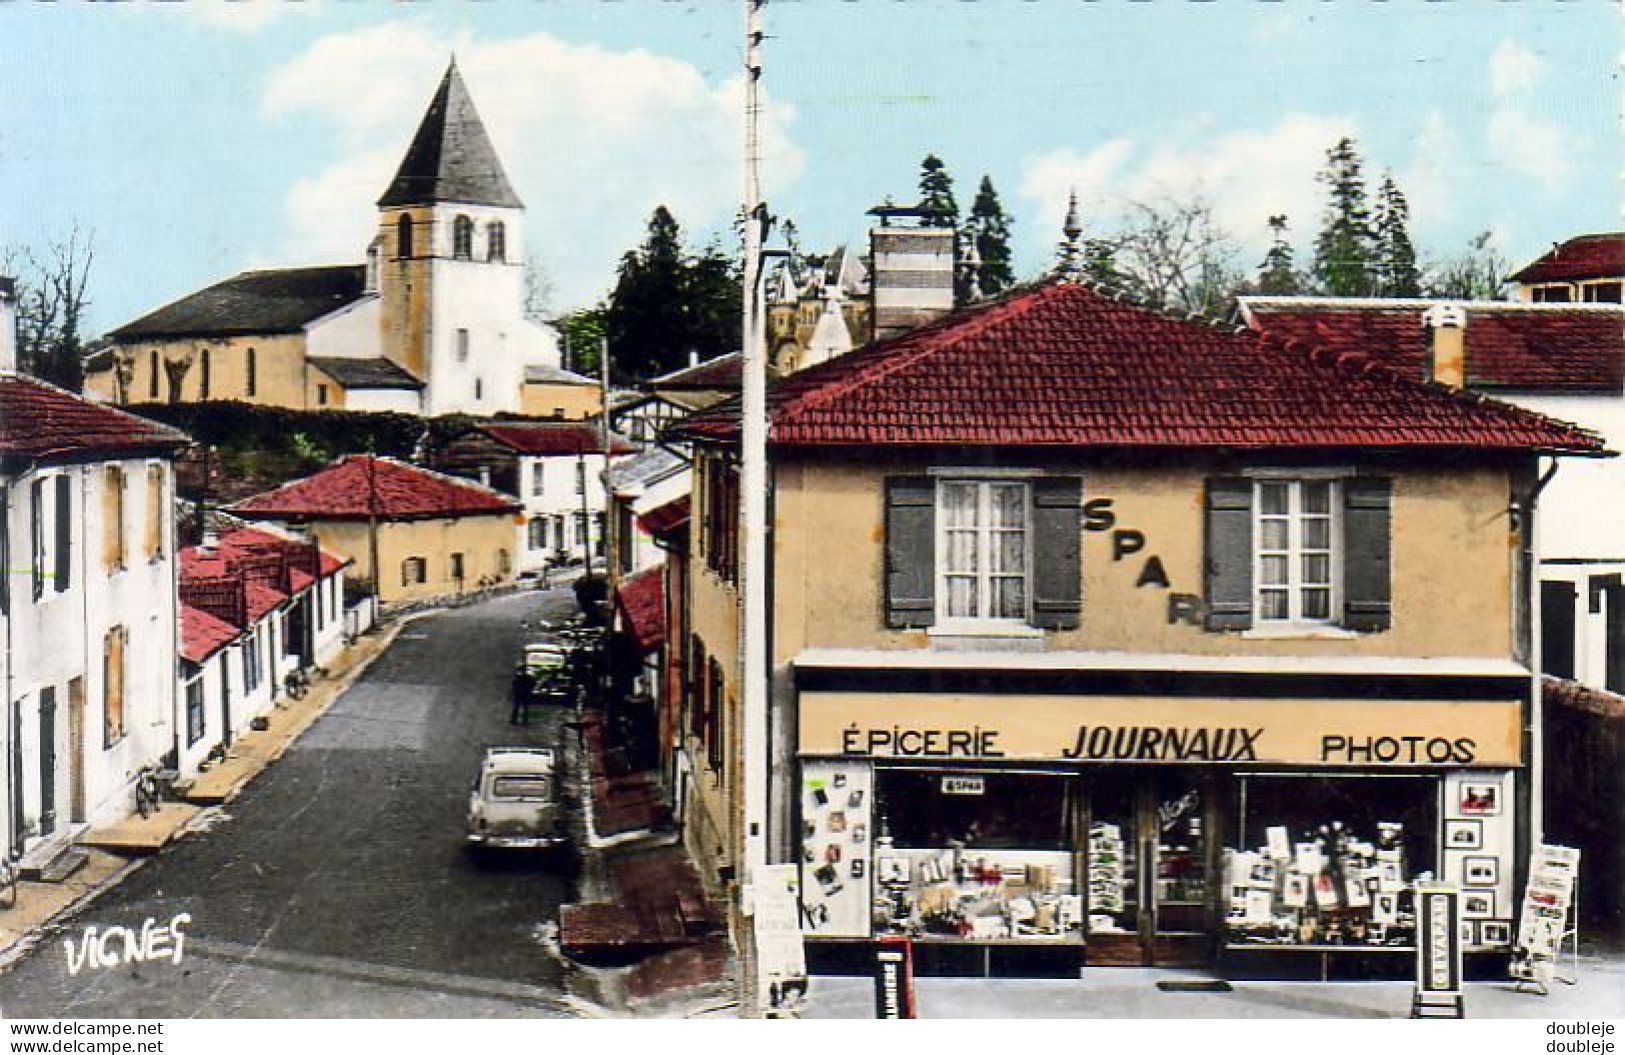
point(592, 140)
point(1431, 181)
point(244, 16)
point(1247, 175)
point(1529, 146)
point(1514, 69)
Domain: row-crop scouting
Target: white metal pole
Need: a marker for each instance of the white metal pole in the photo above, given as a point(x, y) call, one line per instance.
point(753, 748)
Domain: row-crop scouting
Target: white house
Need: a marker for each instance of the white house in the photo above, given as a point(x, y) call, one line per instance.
point(88, 607)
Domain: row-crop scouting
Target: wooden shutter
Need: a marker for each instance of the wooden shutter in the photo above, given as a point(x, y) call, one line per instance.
point(910, 551)
point(36, 534)
point(1057, 572)
point(1229, 553)
point(1367, 532)
point(155, 511)
point(64, 532)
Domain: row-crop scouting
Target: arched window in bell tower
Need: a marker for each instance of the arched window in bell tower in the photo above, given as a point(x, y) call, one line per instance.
point(403, 236)
point(462, 238)
point(496, 240)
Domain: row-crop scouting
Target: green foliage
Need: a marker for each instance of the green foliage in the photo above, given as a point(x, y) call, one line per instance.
point(1278, 275)
point(988, 228)
point(1396, 272)
point(937, 194)
point(667, 304)
point(1478, 273)
point(1345, 248)
point(583, 334)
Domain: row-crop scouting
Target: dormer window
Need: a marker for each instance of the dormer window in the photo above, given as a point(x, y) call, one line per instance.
point(462, 238)
point(496, 240)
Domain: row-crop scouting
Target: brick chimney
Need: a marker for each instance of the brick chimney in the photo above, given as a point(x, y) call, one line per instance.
point(8, 323)
point(1447, 362)
point(912, 281)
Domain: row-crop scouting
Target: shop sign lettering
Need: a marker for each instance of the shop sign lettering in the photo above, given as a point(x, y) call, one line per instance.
point(1098, 515)
point(1164, 744)
point(975, 742)
point(1400, 750)
point(963, 786)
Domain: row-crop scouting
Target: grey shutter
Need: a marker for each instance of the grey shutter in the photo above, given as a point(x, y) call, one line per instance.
point(1229, 553)
point(1057, 578)
point(1367, 515)
point(64, 532)
point(910, 551)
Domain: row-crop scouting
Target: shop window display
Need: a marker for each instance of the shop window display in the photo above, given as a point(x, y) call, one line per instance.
point(1330, 860)
point(974, 856)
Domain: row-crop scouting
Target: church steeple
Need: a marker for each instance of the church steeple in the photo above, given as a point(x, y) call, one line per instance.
point(451, 158)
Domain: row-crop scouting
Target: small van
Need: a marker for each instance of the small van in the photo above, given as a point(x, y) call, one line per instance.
point(514, 803)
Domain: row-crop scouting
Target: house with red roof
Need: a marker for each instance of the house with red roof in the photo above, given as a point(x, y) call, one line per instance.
point(1588, 268)
point(87, 605)
point(555, 470)
point(1100, 637)
point(1564, 360)
point(256, 604)
point(411, 533)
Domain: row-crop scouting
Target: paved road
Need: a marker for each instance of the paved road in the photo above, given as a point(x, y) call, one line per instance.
point(337, 885)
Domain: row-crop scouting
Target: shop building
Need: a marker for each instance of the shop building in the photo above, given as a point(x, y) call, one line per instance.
point(1102, 638)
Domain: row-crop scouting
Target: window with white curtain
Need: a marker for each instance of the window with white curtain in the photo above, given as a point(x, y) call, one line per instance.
point(983, 556)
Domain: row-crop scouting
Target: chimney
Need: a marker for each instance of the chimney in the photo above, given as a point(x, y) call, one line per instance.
point(912, 281)
point(1448, 361)
point(8, 323)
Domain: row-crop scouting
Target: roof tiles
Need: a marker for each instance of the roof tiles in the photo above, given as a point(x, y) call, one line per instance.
point(360, 486)
point(1063, 365)
point(40, 422)
point(1584, 257)
point(254, 302)
point(553, 438)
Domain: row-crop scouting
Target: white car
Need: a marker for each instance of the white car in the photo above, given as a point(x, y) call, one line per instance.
point(514, 803)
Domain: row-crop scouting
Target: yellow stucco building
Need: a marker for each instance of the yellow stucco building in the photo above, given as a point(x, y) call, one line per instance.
point(1099, 637)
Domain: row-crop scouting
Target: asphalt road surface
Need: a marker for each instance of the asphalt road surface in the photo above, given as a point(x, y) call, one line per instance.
point(337, 884)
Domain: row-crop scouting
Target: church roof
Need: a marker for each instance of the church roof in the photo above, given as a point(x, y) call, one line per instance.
point(451, 158)
point(376, 372)
point(254, 302)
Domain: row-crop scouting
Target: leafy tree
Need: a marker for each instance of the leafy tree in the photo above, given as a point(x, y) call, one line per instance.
point(52, 299)
point(1344, 249)
point(988, 229)
point(1479, 273)
point(667, 304)
point(583, 333)
point(1278, 274)
point(937, 194)
point(1396, 273)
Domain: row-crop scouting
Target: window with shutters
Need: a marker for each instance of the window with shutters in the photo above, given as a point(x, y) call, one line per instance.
point(538, 533)
point(154, 541)
point(1299, 551)
point(968, 554)
point(194, 710)
point(982, 550)
point(113, 518)
point(713, 718)
point(719, 524)
point(113, 671)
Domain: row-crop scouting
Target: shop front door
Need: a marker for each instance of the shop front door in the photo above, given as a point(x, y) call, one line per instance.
point(1149, 860)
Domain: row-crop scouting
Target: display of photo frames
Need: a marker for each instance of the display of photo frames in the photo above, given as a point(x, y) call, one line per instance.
point(1477, 904)
point(1464, 834)
point(1495, 932)
point(1480, 871)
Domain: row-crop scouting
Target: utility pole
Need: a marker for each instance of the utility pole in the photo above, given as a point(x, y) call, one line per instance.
point(612, 571)
point(753, 695)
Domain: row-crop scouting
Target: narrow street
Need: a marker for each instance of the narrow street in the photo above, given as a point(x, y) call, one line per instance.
point(338, 884)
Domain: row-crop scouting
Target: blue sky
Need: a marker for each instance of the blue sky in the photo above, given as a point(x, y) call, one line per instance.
point(204, 138)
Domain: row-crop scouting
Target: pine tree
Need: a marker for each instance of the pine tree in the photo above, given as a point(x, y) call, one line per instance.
point(937, 194)
point(666, 306)
point(1344, 248)
point(1278, 274)
point(1396, 271)
point(988, 228)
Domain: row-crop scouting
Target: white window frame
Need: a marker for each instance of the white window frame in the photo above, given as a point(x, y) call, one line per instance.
point(984, 483)
point(1296, 551)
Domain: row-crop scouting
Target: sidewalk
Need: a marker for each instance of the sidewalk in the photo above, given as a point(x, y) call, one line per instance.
point(1132, 992)
point(114, 851)
point(647, 915)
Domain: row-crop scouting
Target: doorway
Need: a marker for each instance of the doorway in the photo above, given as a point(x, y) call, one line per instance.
point(47, 761)
point(1150, 862)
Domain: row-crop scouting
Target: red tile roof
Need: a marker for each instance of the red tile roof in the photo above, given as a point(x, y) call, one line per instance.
point(1584, 257)
point(249, 572)
point(1565, 347)
point(663, 520)
point(202, 635)
point(1063, 365)
point(552, 438)
point(40, 422)
point(642, 601)
point(362, 485)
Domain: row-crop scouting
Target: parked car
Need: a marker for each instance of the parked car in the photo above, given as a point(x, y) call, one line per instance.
point(514, 803)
